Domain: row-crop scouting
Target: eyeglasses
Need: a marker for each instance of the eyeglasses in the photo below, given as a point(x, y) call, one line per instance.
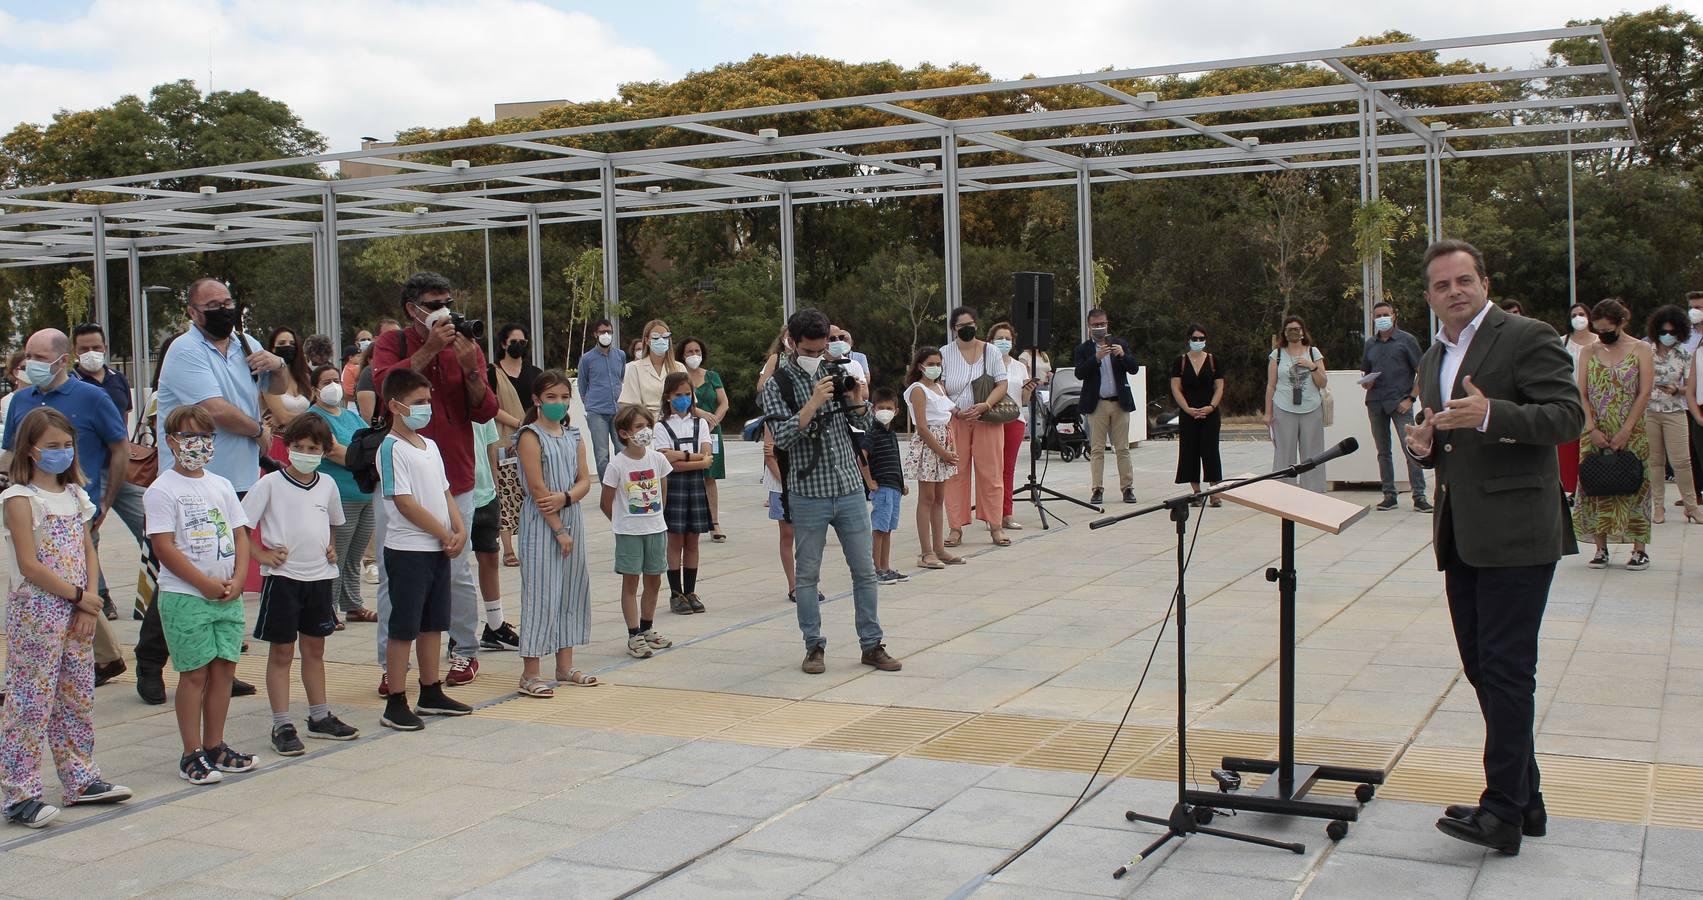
point(1197, 337)
point(433, 306)
point(839, 337)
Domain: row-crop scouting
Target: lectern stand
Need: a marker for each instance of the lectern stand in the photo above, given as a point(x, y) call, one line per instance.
point(1286, 792)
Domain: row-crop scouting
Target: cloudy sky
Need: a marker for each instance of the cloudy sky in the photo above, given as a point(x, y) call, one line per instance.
point(371, 67)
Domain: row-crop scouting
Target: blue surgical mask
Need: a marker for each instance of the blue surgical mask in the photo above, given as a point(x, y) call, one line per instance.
point(1197, 346)
point(54, 462)
point(1004, 345)
point(659, 346)
point(1668, 340)
point(839, 349)
point(1384, 323)
point(40, 374)
point(419, 416)
point(681, 403)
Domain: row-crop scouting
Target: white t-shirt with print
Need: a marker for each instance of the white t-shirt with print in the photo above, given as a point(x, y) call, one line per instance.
point(638, 492)
point(297, 517)
point(409, 471)
point(204, 514)
point(73, 501)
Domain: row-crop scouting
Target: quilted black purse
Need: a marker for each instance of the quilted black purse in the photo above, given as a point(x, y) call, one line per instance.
point(1611, 473)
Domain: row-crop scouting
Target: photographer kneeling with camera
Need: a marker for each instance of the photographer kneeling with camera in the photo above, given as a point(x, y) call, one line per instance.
point(811, 407)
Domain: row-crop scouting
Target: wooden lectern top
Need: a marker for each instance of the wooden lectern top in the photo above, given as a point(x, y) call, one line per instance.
point(1288, 501)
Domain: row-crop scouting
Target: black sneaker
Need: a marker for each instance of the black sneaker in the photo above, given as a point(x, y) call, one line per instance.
point(150, 686)
point(503, 638)
point(397, 715)
point(1129, 495)
point(285, 742)
point(692, 601)
point(195, 769)
point(31, 813)
point(1420, 504)
point(240, 688)
point(1389, 503)
point(678, 604)
point(225, 759)
point(100, 792)
point(1599, 561)
point(434, 702)
point(1097, 496)
point(331, 728)
point(1638, 561)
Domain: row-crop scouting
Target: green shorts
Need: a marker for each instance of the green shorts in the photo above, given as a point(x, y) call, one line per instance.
point(199, 630)
point(641, 554)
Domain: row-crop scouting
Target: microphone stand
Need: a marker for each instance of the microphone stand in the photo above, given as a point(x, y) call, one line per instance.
point(1036, 492)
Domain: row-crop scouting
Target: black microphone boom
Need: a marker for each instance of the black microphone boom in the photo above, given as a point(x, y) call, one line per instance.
point(1347, 446)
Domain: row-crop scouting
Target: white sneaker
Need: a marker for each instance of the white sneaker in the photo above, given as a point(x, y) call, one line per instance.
point(638, 647)
point(656, 641)
point(369, 573)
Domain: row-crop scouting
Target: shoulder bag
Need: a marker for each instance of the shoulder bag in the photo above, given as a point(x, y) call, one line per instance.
point(982, 388)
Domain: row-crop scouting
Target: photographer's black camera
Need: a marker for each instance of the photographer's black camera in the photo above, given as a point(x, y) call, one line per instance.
point(472, 329)
point(845, 384)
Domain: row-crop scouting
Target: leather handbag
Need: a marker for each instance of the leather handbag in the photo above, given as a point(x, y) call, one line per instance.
point(1005, 410)
point(1611, 473)
point(144, 455)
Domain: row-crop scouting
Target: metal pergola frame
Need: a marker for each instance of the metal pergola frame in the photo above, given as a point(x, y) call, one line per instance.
point(741, 170)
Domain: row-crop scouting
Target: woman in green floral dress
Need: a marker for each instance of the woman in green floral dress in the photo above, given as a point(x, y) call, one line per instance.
point(1615, 375)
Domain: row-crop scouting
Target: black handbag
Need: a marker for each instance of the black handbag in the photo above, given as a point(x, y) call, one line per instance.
point(1611, 473)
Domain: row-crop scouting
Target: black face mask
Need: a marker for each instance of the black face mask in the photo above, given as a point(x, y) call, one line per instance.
point(286, 353)
point(219, 323)
point(967, 332)
point(517, 349)
point(1608, 337)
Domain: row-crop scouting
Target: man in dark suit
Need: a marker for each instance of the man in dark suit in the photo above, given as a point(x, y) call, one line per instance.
point(1102, 364)
point(1498, 396)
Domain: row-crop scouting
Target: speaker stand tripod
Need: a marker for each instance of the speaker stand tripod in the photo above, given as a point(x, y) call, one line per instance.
point(1034, 491)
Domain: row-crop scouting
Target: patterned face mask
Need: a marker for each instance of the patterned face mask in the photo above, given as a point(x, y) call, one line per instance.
point(643, 437)
point(194, 453)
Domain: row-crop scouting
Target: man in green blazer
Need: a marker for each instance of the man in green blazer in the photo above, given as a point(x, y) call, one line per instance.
point(1498, 395)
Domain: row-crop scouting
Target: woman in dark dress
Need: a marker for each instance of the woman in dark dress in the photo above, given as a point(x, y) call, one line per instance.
point(1197, 384)
point(510, 375)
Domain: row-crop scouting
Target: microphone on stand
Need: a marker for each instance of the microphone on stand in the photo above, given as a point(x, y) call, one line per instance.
point(1347, 446)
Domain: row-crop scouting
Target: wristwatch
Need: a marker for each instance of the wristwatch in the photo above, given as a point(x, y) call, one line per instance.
point(561, 531)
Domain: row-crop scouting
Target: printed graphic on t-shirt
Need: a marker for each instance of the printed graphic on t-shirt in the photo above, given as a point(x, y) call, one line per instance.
point(644, 492)
point(205, 528)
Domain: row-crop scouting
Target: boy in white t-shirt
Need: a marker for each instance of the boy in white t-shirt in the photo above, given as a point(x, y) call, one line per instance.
point(296, 510)
point(634, 491)
point(199, 533)
point(423, 531)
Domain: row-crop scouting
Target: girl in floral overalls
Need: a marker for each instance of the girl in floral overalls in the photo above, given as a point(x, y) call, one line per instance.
point(50, 624)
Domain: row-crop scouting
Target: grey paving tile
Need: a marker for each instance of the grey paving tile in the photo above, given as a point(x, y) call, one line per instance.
point(990, 818)
point(841, 762)
point(831, 828)
point(1673, 857)
point(291, 870)
point(445, 810)
point(700, 762)
point(1664, 893)
point(189, 890)
point(602, 803)
point(758, 792)
point(925, 783)
point(1038, 781)
point(1352, 876)
point(457, 863)
point(1395, 828)
point(124, 833)
point(1172, 884)
point(1527, 886)
point(555, 879)
point(906, 868)
point(132, 872)
point(1080, 860)
point(658, 840)
point(743, 875)
point(994, 890)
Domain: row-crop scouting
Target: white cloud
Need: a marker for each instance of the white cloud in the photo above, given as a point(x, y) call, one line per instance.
point(350, 68)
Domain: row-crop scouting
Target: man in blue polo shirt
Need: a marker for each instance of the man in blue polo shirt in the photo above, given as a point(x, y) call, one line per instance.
point(101, 438)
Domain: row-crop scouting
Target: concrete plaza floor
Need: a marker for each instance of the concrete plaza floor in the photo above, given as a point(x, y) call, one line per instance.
point(717, 769)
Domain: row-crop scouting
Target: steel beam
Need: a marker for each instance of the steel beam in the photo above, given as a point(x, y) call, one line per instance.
point(611, 253)
point(952, 250)
point(789, 261)
point(1084, 250)
point(98, 228)
point(332, 323)
point(535, 287)
point(140, 374)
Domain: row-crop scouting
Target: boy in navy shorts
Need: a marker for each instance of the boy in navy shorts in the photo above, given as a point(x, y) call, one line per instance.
point(423, 531)
point(296, 509)
point(885, 479)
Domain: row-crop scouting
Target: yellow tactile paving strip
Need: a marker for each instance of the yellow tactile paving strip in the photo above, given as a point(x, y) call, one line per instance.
point(1603, 789)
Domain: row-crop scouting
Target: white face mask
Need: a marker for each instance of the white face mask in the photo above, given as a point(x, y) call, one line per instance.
point(305, 463)
point(1696, 316)
point(91, 360)
point(932, 373)
point(694, 361)
point(436, 316)
point(605, 339)
point(331, 394)
point(643, 437)
point(809, 364)
point(885, 416)
point(1579, 323)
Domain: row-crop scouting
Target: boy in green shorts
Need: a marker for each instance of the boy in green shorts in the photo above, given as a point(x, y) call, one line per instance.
point(634, 489)
point(200, 535)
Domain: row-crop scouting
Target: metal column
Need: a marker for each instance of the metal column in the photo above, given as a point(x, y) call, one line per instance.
point(140, 361)
point(318, 247)
point(1572, 258)
point(789, 261)
point(1375, 189)
point(490, 326)
point(611, 253)
point(1084, 250)
point(949, 219)
point(100, 312)
point(1365, 194)
point(535, 286)
point(331, 323)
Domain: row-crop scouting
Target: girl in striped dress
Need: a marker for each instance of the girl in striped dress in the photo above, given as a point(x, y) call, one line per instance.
point(555, 584)
point(686, 443)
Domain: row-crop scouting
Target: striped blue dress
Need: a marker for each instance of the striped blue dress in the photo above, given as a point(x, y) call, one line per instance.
point(555, 591)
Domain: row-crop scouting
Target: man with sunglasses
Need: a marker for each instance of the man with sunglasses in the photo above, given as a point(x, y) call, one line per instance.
point(430, 345)
point(217, 367)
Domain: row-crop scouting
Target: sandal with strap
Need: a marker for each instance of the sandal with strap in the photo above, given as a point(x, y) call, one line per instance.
point(578, 678)
point(953, 560)
point(511, 561)
point(956, 539)
point(536, 687)
point(716, 537)
point(930, 562)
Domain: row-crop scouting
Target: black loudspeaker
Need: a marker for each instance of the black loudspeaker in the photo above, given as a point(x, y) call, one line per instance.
point(1032, 308)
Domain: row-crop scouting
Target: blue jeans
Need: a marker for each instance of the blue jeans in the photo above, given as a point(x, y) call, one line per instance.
point(1384, 416)
point(602, 428)
point(849, 514)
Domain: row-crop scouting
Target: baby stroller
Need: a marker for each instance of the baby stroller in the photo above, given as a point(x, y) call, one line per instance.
point(1063, 431)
